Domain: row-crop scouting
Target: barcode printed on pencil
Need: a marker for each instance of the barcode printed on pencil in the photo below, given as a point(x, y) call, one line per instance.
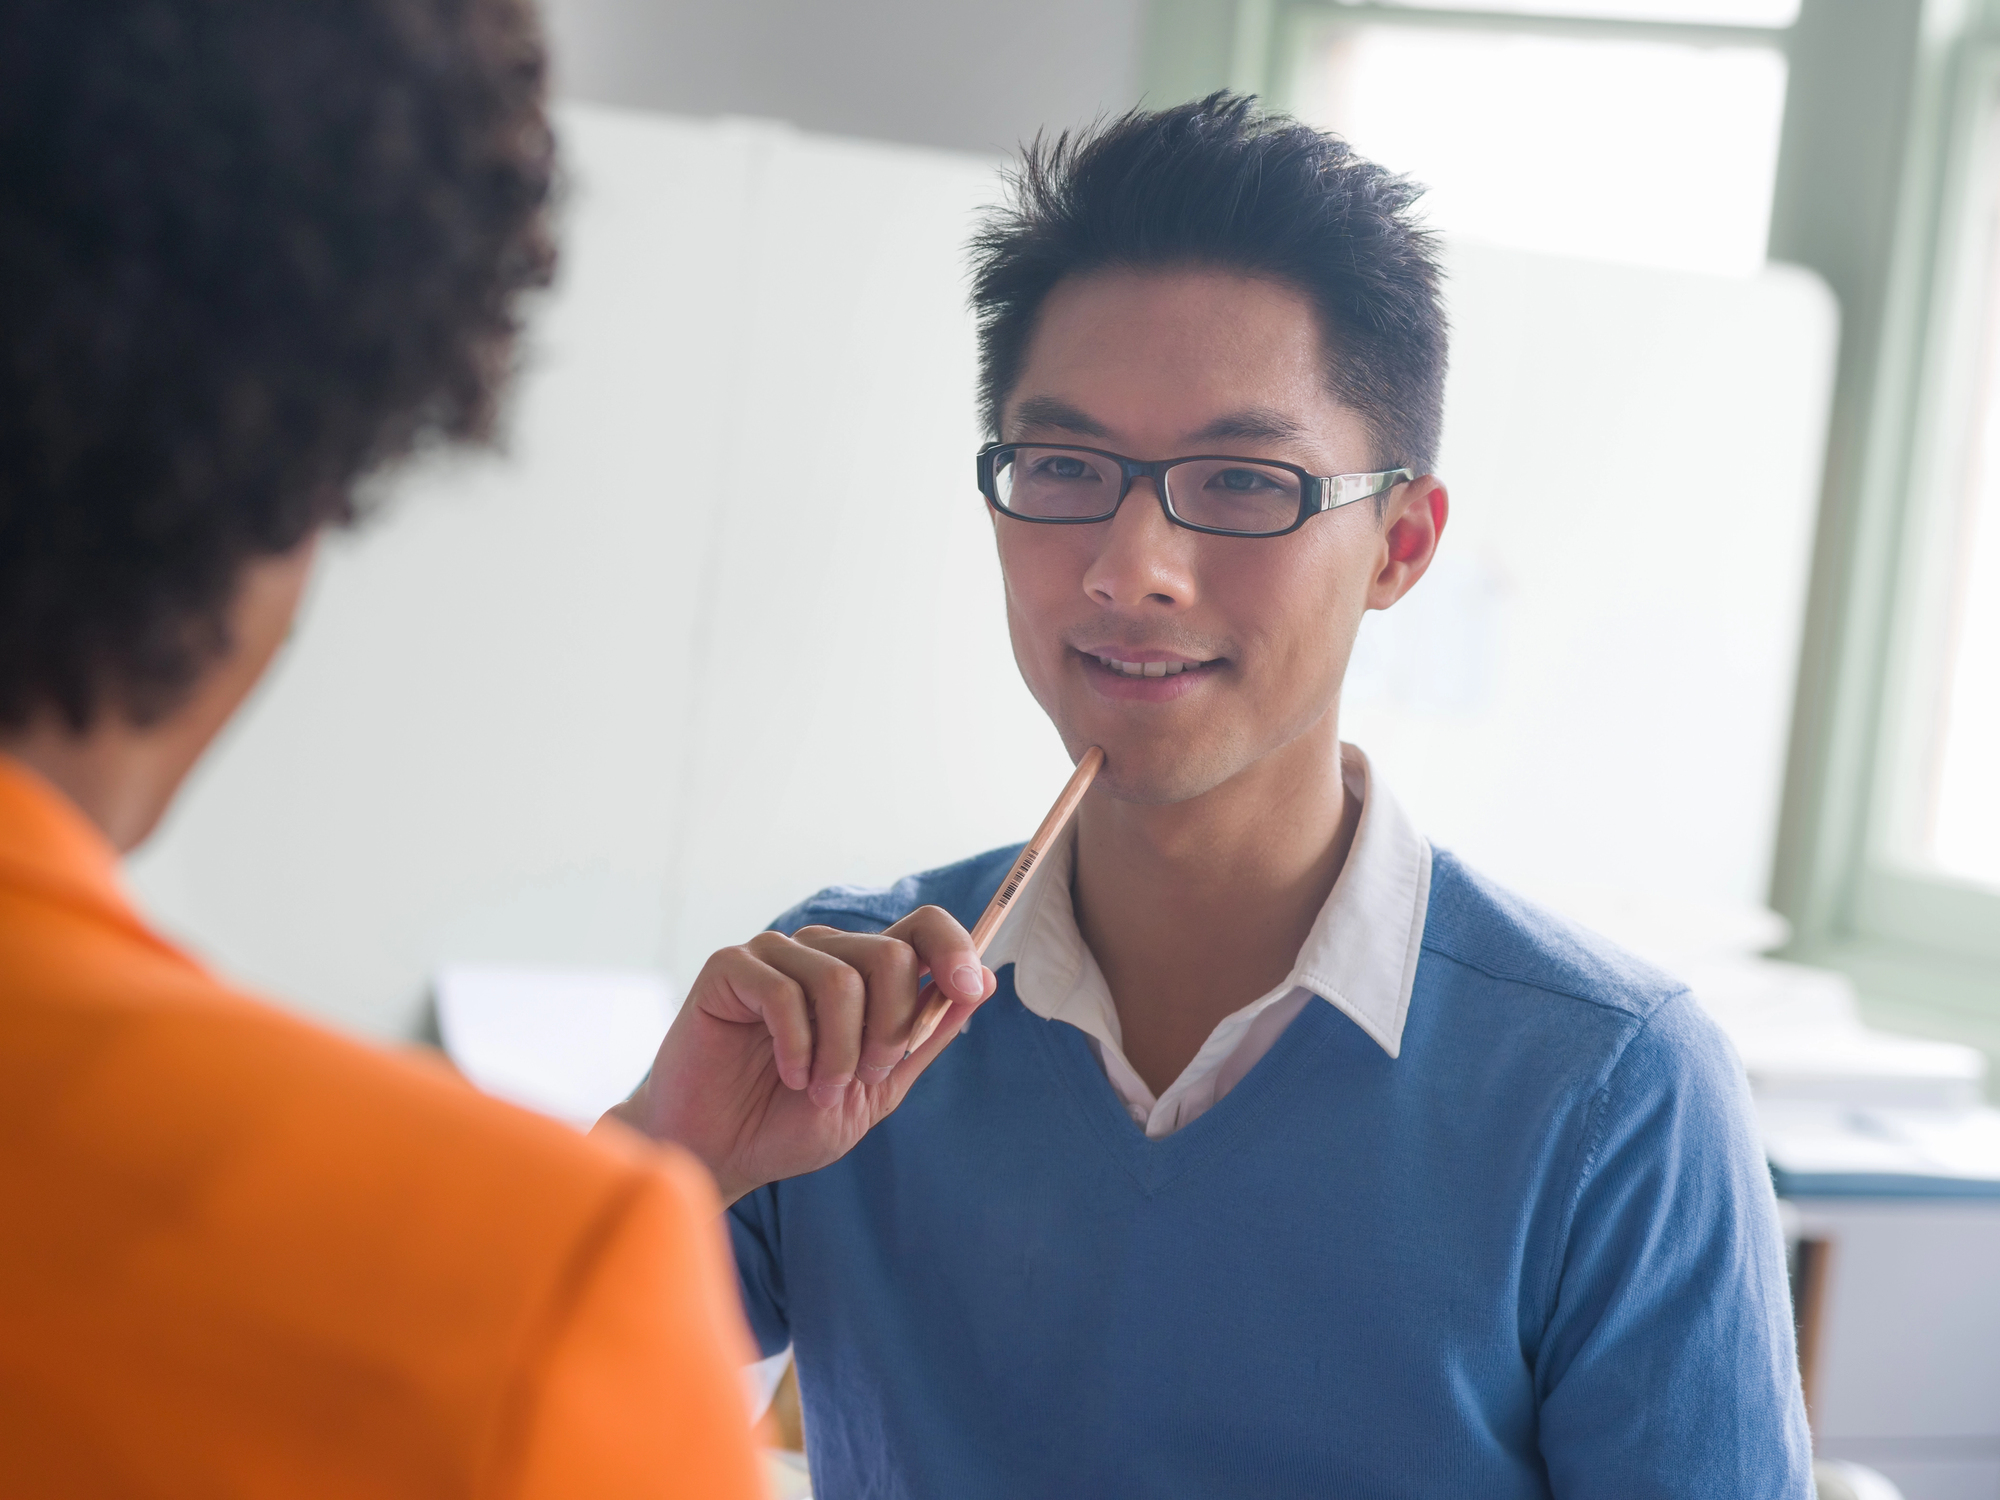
point(1020, 874)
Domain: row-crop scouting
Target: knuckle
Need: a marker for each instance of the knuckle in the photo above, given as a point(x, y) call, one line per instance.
point(842, 987)
point(891, 958)
point(901, 961)
point(765, 943)
point(741, 965)
point(853, 988)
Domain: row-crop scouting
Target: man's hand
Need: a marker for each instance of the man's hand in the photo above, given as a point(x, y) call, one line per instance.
point(790, 1049)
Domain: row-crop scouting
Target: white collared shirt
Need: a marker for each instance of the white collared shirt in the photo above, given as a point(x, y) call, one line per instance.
point(1360, 957)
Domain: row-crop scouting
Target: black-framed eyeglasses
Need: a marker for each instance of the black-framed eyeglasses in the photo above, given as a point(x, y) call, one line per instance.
point(1067, 486)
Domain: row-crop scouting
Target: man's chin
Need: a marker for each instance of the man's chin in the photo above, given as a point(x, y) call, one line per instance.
point(1157, 776)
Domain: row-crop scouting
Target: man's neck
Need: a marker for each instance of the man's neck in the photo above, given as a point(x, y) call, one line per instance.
point(1195, 909)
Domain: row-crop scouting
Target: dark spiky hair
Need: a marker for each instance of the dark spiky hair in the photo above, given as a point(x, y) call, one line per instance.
point(1218, 183)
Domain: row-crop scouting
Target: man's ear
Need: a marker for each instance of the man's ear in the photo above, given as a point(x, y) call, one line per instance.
point(1411, 528)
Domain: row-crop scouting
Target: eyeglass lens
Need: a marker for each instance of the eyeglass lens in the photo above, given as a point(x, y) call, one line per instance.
point(1062, 484)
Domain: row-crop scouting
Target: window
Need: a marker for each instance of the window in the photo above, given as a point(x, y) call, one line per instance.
point(1952, 736)
point(1964, 828)
point(1676, 169)
point(1691, 12)
point(1927, 872)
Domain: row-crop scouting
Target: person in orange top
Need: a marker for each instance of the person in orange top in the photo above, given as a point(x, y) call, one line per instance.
point(248, 252)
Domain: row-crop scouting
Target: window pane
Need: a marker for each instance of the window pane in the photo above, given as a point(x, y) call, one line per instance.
point(1660, 153)
point(1964, 831)
point(1691, 12)
point(1965, 836)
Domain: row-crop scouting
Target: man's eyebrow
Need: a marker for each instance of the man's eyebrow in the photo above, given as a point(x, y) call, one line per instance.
point(1048, 411)
point(1252, 424)
point(1260, 424)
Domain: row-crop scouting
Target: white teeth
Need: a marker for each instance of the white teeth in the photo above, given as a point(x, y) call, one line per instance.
point(1147, 668)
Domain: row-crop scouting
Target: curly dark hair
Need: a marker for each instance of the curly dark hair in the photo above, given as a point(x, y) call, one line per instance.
point(1217, 182)
point(250, 251)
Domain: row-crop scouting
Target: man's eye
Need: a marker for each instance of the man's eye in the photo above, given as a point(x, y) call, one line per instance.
point(1060, 466)
point(1243, 481)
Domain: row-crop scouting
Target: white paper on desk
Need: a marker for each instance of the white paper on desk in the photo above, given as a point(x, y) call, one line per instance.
point(569, 1043)
point(1810, 1140)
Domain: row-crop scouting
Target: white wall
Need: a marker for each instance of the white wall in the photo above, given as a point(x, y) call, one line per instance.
point(694, 647)
point(968, 74)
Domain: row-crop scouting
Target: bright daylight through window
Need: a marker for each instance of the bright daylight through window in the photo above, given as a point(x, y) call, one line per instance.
point(1963, 832)
point(1685, 12)
point(1675, 170)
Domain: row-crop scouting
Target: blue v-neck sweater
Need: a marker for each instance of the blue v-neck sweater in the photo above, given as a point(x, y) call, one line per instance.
point(1537, 1253)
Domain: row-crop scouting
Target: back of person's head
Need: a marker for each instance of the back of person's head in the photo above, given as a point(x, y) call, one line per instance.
point(250, 250)
point(1218, 185)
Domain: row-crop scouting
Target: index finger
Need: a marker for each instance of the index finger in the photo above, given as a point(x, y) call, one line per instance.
point(945, 948)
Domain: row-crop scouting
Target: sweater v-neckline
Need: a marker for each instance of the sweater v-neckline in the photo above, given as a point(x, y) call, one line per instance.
point(1155, 1165)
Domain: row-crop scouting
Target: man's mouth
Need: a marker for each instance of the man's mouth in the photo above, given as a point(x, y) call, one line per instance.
point(1150, 668)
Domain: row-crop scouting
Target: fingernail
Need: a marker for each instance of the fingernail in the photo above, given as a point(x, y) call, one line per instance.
point(829, 1095)
point(968, 981)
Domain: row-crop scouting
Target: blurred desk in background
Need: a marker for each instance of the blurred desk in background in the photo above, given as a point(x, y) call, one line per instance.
point(1906, 1373)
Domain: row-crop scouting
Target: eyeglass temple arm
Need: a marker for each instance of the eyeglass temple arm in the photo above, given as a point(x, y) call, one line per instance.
point(1336, 490)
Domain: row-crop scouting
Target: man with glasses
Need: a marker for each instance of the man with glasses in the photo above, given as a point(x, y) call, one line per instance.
point(1284, 1154)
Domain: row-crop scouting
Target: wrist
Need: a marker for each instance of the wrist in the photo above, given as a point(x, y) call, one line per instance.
point(639, 1112)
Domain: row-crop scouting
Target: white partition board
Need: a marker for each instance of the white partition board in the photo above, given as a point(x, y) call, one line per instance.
point(675, 659)
point(1590, 692)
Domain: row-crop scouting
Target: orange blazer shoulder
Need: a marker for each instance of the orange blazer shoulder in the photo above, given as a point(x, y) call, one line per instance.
point(246, 1256)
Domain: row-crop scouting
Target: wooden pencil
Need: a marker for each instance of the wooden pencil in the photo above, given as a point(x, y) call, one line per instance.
point(1016, 882)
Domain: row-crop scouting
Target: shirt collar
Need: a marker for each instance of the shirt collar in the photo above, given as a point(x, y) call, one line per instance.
point(47, 842)
point(1360, 956)
point(49, 848)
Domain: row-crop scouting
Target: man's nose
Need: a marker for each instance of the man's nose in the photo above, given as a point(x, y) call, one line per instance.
point(1144, 559)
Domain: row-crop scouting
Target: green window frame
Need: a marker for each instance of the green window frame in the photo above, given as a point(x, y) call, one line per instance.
point(1880, 149)
point(1922, 946)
